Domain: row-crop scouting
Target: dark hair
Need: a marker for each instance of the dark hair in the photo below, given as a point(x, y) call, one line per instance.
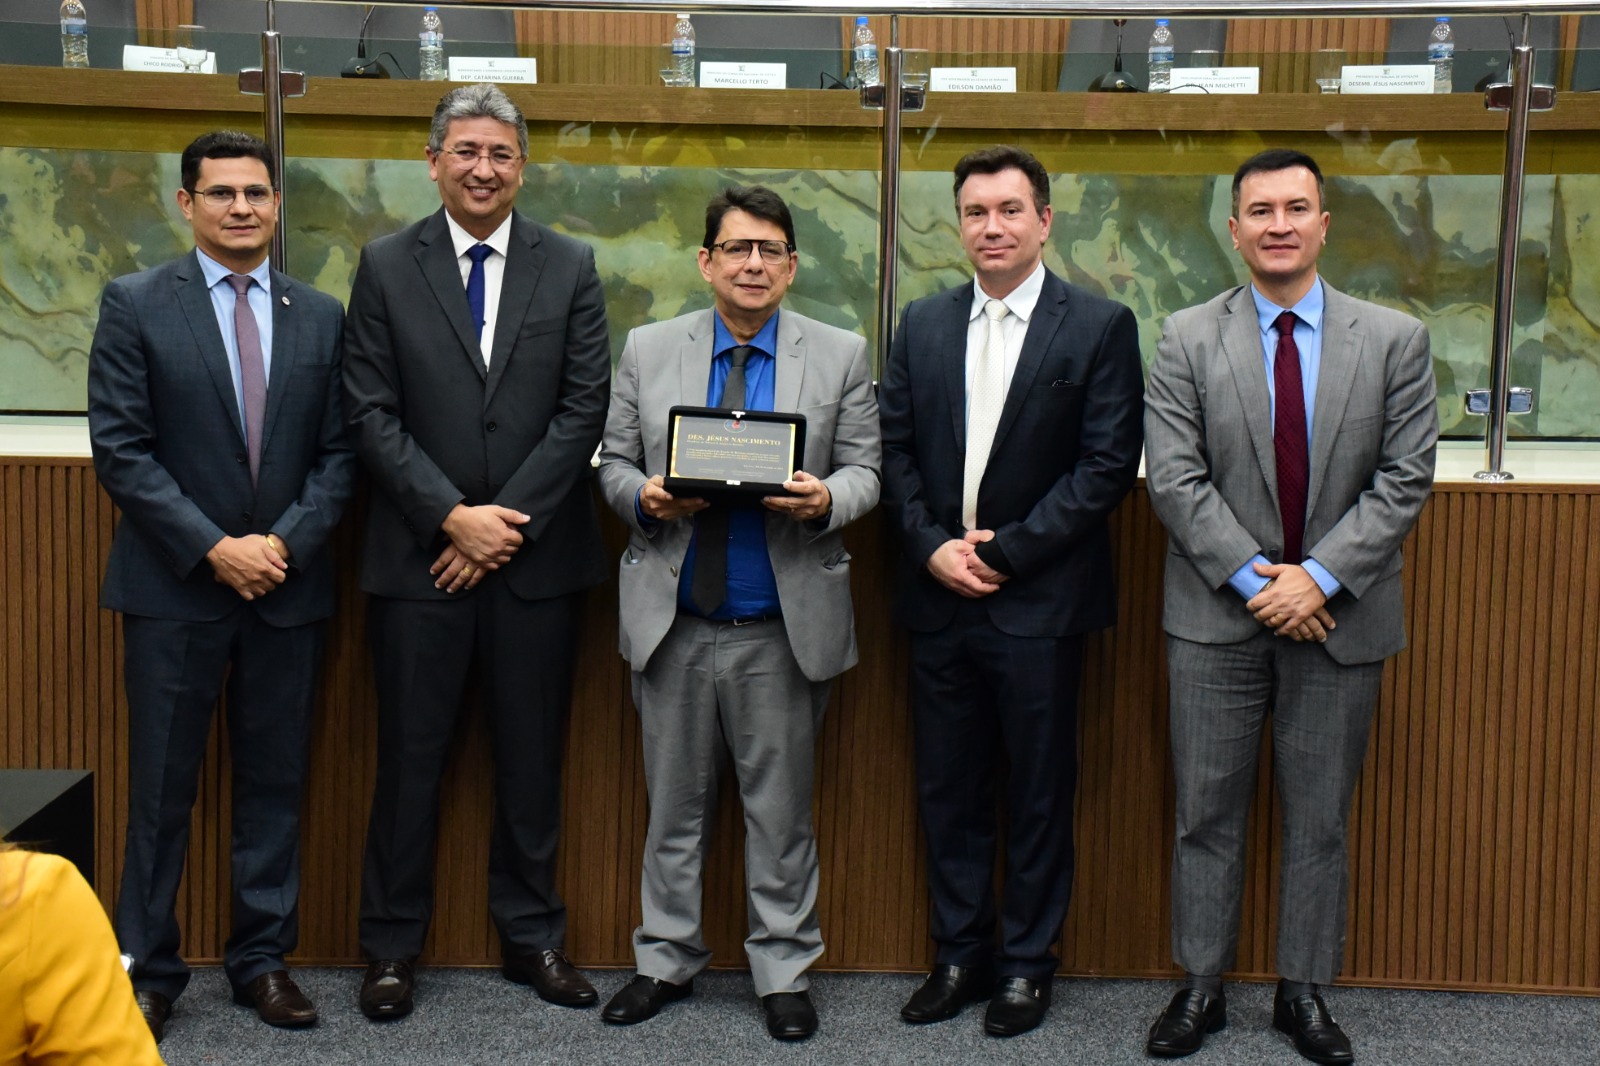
point(1275, 159)
point(222, 144)
point(758, 201)
point(1005, 157)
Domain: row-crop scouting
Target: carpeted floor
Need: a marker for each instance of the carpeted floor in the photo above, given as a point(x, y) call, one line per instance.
point(466, 1017)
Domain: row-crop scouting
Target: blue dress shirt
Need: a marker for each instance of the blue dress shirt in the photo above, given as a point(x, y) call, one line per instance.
point(1308, 339)
point(223, 298)
point(752, 587)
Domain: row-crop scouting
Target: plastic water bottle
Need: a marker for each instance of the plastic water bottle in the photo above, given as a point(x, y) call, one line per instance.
point(430, 46)
point(74, 34)
point(1161, 51)
point(1442, 53)
point(865, 66)
point(683, 51)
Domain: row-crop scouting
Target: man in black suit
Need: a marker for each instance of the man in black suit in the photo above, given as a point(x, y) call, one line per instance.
point(215, 424)
point(476, 382)
point(1011, 429)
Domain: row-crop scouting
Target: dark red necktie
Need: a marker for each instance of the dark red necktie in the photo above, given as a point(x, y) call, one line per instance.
point(1289, 438)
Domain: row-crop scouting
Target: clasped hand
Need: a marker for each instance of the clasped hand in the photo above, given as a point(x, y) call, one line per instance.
point(248, 565)
point(482, 538)
point(956, 566)
point(1292, 604)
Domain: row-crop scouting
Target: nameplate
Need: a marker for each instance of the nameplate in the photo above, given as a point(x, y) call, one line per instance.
point(514, 70)
point(1407, 78)
point(1219, 81)
point(168, 60)
point(972, 80)
point(744, 75)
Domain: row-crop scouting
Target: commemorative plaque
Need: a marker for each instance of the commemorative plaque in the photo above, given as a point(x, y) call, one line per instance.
point(716, 452)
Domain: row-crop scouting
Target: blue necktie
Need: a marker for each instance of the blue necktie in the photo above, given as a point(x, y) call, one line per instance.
point(477, 253)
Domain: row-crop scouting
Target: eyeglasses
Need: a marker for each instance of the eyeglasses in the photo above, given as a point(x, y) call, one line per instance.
point(467, 158)
point(221, 196)
point(739, 249)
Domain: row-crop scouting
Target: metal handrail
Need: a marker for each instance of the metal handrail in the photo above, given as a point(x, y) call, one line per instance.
point(1041, 8)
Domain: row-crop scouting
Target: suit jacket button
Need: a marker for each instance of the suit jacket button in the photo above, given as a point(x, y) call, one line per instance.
point(239, 459)
point(491, 427)
point(245, 516)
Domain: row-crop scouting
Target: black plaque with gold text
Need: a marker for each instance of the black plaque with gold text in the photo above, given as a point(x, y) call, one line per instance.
point(716, 452)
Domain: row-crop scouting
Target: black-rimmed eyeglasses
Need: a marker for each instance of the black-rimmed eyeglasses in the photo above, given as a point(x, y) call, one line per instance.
point(739, 250)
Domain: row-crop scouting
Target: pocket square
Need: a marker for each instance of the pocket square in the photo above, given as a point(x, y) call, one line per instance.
point(1062, 383)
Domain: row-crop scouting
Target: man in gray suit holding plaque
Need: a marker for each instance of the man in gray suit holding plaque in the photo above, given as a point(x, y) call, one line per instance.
point(1290, 433)
point(736, 616)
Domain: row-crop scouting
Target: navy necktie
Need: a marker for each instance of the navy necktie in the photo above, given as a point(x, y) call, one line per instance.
point(1289, 443)
point(710, 584)
point(475, 284)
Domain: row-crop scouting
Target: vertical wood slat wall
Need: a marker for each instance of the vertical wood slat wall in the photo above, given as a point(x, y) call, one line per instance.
point(1475, 836)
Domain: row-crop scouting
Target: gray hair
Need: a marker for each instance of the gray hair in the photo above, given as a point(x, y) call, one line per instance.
point(483, 100)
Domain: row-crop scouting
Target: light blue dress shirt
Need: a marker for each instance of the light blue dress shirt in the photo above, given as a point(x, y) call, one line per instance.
point(259, 297)
point(1308, 339)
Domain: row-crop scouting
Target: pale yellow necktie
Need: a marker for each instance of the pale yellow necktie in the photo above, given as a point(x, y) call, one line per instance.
point(987, 397)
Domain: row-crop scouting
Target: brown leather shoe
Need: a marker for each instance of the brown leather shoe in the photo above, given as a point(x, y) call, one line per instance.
point(552, 976)
point(156, 1009)
point(386, 990)
point(278, 1000)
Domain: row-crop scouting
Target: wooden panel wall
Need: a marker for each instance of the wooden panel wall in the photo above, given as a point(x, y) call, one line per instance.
point(1476, 832)
point(1283, 47)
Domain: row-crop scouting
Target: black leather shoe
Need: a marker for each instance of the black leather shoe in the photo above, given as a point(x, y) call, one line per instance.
point(156, 1009)
point(1183, 1026)
point(278, 1000)
point(1017, 1005)
point(946, 991)
point(552, 976)
point(1316, 1035)
point(387, 989)
point(790, 1015)
point(642, 999)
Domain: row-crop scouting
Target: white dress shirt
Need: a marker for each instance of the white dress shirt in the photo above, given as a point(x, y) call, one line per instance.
point(1020, 301)
point(494, 271)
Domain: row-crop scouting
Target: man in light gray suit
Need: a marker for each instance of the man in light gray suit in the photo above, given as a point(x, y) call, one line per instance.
point(736, 618)
point(1290, 433)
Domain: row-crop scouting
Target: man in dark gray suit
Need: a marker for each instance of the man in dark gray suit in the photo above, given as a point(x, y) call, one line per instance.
point(476, 380)
point(215, 423)
point(1291, 433)
point(737, 618)
point(1010, 432)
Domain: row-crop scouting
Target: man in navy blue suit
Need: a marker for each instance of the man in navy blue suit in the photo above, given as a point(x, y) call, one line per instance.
point(215, 421)
point(1011, 429)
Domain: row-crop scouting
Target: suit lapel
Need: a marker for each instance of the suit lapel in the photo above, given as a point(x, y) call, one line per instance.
point(1240, 329)
point(694, 361)
point(436, 257)
point(195, 300)
point(524, 263)
point(1048, 314)
point(1342, 344)
point(285, 351)
point(789, 364)
point(957, 314)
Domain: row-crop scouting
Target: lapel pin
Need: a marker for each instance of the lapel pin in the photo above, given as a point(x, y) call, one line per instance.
point(286, 301)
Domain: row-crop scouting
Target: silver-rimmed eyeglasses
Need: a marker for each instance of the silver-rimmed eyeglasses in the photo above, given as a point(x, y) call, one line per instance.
point(467, 158)
point(223, 196)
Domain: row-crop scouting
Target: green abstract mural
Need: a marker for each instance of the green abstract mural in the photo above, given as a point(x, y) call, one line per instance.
point(70, 220)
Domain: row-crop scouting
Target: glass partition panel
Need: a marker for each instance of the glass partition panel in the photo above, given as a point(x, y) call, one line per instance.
point(1141, 190)
point(1141, 181)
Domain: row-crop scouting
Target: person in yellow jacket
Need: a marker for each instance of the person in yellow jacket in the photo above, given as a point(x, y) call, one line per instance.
point(64, 997)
